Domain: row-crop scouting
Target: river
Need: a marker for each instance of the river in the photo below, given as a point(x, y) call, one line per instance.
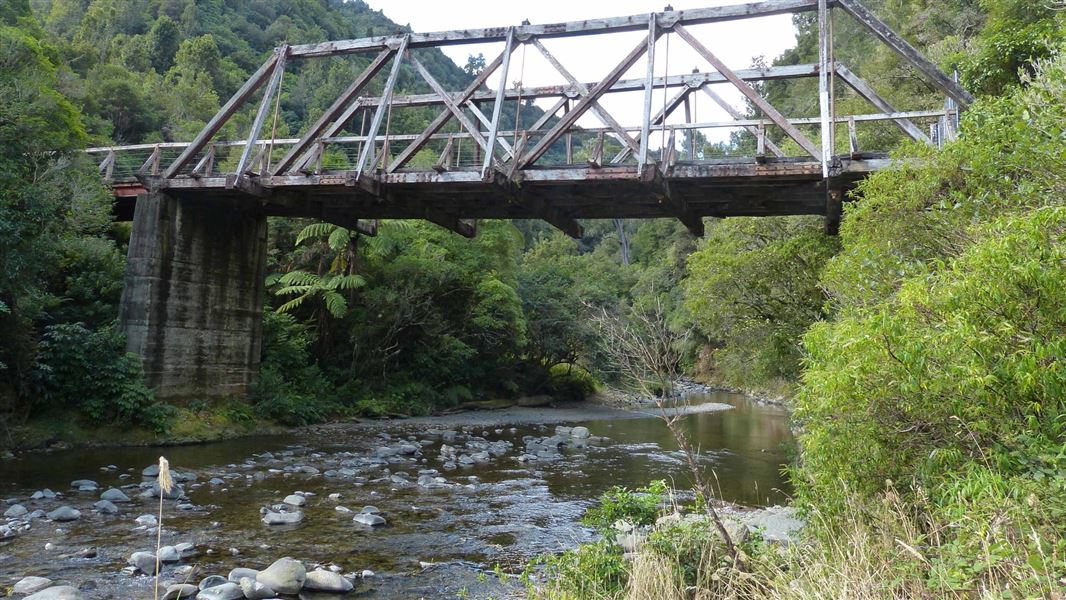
point(445, 525)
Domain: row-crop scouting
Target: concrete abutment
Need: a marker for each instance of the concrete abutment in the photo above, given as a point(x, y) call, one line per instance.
point(193, 296)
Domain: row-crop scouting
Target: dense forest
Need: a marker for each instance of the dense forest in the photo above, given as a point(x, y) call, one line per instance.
point(923, 347)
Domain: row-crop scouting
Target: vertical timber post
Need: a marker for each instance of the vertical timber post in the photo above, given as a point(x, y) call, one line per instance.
point(649, 87)
point(823, 85)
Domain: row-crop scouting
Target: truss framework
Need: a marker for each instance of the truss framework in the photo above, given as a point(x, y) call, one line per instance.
point(510, 159)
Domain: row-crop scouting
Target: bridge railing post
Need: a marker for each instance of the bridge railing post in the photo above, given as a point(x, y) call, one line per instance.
point(824, 68)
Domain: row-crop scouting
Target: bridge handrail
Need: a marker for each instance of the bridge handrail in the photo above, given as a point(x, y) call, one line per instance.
point(355, 139)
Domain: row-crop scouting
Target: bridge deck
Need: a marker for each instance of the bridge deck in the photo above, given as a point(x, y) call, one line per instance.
point(717, 188)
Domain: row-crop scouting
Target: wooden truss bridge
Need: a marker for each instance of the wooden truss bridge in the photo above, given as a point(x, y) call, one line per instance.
point(192, 301)
point(484, 168)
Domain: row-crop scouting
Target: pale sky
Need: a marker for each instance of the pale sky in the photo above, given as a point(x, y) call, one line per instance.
point(590, 58)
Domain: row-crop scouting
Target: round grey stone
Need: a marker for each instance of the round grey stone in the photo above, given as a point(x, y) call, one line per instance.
point(285, 576)
point(64, 513)
point(31, 585)
point(327, 581)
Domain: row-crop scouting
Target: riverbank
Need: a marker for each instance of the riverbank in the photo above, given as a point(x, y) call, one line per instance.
point(49, 434)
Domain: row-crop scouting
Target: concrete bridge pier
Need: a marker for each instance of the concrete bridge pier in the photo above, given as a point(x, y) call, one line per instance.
point(193, 296)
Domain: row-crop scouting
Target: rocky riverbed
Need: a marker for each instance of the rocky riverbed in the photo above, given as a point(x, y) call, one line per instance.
point(413, 508)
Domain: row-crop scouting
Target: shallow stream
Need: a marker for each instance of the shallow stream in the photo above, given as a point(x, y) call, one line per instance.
point(444, 528)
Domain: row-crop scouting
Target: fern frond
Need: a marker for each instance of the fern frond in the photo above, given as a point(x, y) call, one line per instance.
point(335, 304)
point(314, 230)
point(346, 282)
point(292, 304)
point(294, 289)
point(299, 278)
point(338, 240)
point(271, 279)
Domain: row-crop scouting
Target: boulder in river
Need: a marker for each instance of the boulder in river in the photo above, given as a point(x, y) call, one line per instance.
point(295, 500)
point(57, 592)
point(144, 561)
point(105, 507)
point(114, 495)
point(226, 591)
point(327, 581)
point(369, 519)
point(16, 511)
point(236, 575)
point(282, 518)
point(31, 585)
point(85, 485)
point(580, 433)
point(169, 554)
point(211, 581)
point(253, 590)
point(180, 591)
point(284, 576)
point(64, 513)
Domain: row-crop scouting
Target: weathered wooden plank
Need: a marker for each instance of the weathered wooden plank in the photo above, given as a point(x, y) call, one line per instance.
point(694, 16)
point(223, 115)
point(497, 107)
point(853, 139)
point(750, 93)
point(934, 75)
point(649, 88)
point(866, 91)
point(582, 106)
point(379, 114)
point(339, 105)
point(264, 108)
point(824, 70)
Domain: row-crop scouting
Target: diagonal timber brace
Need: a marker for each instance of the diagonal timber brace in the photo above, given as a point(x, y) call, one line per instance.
point(746, 89)
point(445, 115)
point(583, 90)
point(333, 112)
point(863, 89)
point(568, 120)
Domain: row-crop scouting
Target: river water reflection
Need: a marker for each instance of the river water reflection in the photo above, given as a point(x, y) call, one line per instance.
point(500, 512)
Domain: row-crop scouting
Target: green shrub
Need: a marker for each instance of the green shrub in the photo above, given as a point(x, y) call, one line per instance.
point(593, 570)
point(639, 507)
point(572, 382)
point(690, 545)
point(92, 372)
